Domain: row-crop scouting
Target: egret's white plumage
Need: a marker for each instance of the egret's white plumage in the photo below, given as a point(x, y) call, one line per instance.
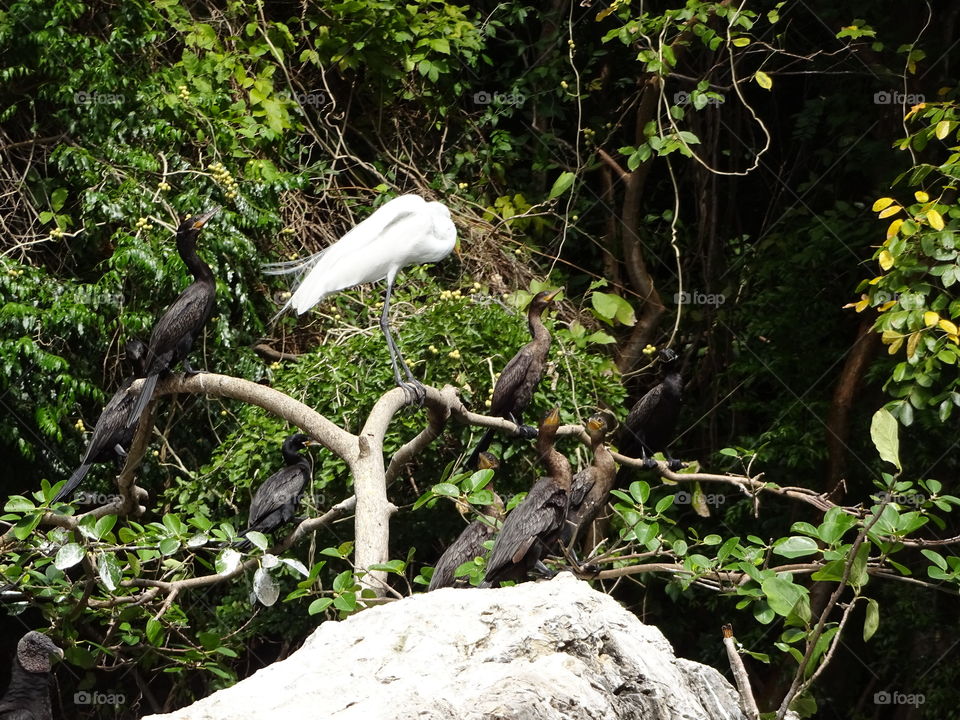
point(407, 230)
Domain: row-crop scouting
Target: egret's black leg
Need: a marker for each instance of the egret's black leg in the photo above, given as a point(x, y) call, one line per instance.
point(413, 388)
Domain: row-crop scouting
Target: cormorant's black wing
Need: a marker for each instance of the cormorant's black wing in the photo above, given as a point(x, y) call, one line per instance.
point(538, 518)
point(466, 547)
point(180, 324)
point(111, 430)
point(510, 384)
point(634, 433)
point(581, 484)
point(281, 490)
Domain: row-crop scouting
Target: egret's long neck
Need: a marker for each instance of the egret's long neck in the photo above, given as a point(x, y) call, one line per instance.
point(187, 247)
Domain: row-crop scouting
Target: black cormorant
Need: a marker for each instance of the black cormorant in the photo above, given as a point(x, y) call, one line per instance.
point(111, 435)
point(650, 426)
point(591, 486)
point(469, 545)
point(275, 502)
point(28, 694)
point(536, 523)
point(514, 388)
point(174, 333)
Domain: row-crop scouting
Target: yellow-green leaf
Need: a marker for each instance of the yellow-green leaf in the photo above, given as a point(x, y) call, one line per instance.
point(886, 260)
point(912, 343)
point(943, 129)
point(741, 41)
point(882, 203)
point(930, 318)
point(947, 326)
point(894, 346)
point(894, 228)
point(921, 196)
point(935, 219)
point(763, 80)
point(892, 210)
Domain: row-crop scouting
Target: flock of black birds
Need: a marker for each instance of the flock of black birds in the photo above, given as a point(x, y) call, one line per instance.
point(558, 508)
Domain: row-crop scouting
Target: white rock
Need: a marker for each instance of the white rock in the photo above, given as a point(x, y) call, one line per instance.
point(536, 651)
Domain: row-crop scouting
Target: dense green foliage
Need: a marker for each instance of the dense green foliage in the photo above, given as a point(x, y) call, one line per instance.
point(728, 158)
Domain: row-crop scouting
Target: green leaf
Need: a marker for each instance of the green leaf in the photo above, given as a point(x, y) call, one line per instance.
point(227, 561)
point(883, 432)
point(57, 198)
point(786, 598)
point(561, 185)
point(154, 631)
point(109, 570)
point(872, 619)
point(447, 490)
point(343, 581)
point(19, 504)
point(763, 80)
point(265, 587)
point(258, 539)
point(795, 546)
point(319, 605)
point(394, 566)
point(68, 556)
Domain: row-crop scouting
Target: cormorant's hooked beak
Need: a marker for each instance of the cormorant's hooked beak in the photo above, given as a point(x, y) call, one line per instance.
point(59, 653)
point(551, 296)
point(203, 219)
point(596, 424)
point(552, 417)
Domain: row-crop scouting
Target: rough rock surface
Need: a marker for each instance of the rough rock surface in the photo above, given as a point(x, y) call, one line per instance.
point(536, 651)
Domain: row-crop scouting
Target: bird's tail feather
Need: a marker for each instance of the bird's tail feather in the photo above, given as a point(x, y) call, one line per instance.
point(146, 392)
point(289, 267)
point(72, 483)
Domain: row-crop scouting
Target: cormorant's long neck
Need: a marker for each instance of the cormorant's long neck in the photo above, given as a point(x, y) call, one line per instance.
point(291, 456)
point(187, 247)
point(603, 460)
point(541, 336)
point(673, 383)
point(559, 468)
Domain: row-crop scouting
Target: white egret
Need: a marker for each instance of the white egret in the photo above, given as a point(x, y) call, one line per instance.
point(407, 230)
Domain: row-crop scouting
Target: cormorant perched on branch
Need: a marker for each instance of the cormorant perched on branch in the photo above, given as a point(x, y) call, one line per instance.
point(111, 435)
point(28, 694)
point(276, 501)
point(469, 545)
point(591, 486)
point(408, 230)
point(536, 523)
point(650, 426)
point(514, 388)
point(183, 321)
